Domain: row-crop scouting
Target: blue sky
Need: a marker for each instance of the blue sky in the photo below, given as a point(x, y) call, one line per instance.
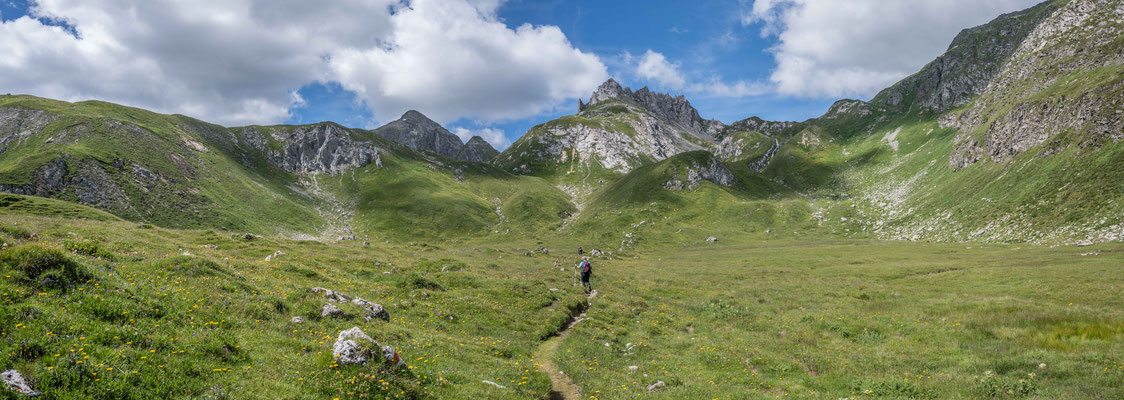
point(488, 67)
point(707, 37)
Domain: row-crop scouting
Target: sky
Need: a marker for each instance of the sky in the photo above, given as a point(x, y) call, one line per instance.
point(492, 68)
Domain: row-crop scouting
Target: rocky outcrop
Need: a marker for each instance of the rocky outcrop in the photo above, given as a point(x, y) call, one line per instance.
point(418, 132)
point(755, 124)
point(675, 110)
point(88, 183)
point(1032, 100)
point(759, 164)
point(353, 347)
point(18, 124)
point(324, 147)
point(15, 382)
point(964, 71)
point(847, 108)
point(712, 171)
point(476, 150)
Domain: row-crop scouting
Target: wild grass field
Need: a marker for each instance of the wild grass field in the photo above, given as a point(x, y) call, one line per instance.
point(111, 309)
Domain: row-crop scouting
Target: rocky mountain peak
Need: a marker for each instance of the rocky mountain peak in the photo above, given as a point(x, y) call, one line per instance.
point(477, 149)
point(676, 110)
point(418, 132)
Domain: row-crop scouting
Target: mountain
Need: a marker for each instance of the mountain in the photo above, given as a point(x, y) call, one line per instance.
point(477, 150)
point(418, 132)
point(1011, 135)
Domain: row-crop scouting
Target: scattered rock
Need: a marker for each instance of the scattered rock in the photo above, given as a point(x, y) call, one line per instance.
point(372, 310)
point(595, 253)
point(248, 236)
point(297, 320)
point(495, 384)
point(655, 387)
point(348, 237)
point(275, 254)
point(711, 239)
point(353, 347)
point(633, 368)
point(211, 246)
point(332, 295)
point(14, 381)
point(330, 310)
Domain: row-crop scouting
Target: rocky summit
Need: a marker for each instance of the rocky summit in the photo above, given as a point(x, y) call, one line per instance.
point(416, 131)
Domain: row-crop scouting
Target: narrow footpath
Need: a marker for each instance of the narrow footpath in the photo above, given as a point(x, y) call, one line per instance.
point(562, 388)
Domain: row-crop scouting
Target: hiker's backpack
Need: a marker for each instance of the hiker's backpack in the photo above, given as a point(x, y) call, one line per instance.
point(586, 267)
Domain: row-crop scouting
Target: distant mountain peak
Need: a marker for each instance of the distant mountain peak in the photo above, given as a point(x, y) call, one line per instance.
point(418, 132)
point(477, 149)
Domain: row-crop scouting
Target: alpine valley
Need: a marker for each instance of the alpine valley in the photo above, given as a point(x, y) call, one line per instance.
point(959, 235)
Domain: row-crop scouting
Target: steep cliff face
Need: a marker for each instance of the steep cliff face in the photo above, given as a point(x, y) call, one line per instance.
point(418, 132)
point(616, 134)
point(477, 150)
point(1063, 86)
point(676, 111)
point(324, 147)
point(973, 59)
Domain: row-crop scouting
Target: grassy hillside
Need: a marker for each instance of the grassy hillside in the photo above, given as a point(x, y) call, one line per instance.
point(115, 310)
point(149, 167)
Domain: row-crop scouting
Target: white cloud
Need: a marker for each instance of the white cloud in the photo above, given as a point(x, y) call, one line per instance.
point(655, 66)
point(831, 48)
point(448, 60)
point(239, 61)
point(493, 136)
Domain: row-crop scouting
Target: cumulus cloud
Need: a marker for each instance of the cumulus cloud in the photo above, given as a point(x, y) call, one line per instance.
point(239, 61)
point(449, 60)
point(831, 48)
point(493, 136)
point(654, 66)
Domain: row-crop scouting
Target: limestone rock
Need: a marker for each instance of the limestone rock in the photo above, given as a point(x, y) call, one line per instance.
point(332, 295)
point(297, 320)
point(15, 382)
point(353, 347)
point(330, 310)
point(655, 387)
point(324, 147)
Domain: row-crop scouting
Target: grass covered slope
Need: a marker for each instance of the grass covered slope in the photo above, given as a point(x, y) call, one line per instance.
point(141, 166)
point(111, 309)
point(854, 319)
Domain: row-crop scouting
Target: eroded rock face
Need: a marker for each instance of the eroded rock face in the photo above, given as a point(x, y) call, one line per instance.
point(418, 132)
point(17, 124)
point(712, 171)
point(15, 382)
point(676, 110)
point(973, 59)
point(325, 147)
point(477, 150)
point(1078, 37)
point(759, 164)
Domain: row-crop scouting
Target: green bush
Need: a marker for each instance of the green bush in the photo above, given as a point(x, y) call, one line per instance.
point(88, 247)
point(16, 232)
point(45, 265)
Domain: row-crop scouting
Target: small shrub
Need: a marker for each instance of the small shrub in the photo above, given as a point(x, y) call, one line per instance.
point(996, 387)
point(88, 247)
point(17, 232)
point(47, 266)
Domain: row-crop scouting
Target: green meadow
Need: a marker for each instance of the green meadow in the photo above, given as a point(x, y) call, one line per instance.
point(119, 310)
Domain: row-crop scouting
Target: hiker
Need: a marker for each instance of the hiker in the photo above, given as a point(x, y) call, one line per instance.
point(587, 270)
point(579, 251)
